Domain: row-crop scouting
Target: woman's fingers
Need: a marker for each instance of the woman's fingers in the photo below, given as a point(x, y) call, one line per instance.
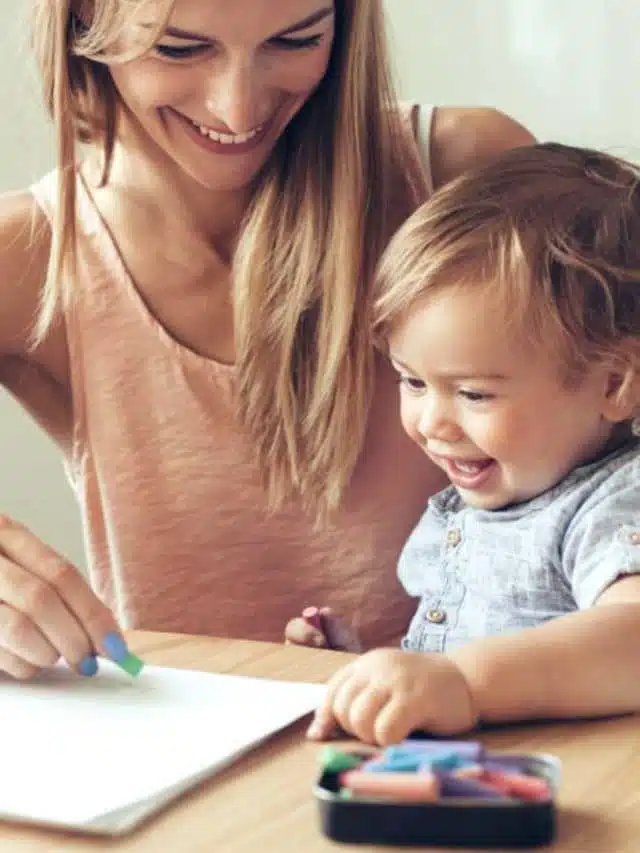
point(20, 638)
point(50, 601)
point(29, 601)
point(16, 667)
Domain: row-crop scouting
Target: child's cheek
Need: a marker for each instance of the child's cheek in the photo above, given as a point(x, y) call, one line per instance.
point(410, 418)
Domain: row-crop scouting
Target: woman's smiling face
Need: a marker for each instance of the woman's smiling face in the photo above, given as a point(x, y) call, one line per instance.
point(224, 80)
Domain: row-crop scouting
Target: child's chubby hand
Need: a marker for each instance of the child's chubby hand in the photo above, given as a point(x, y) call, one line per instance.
point(384, 695)
point(321, 628)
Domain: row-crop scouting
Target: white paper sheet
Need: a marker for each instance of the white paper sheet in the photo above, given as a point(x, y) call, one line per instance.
point(73, 750)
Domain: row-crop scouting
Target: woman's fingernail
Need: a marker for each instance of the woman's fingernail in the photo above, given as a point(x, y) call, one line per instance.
point(88, 666)
point(115, 646)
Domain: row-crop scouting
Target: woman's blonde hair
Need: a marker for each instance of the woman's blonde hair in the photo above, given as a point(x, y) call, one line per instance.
point(552, 230)
point(336, 188)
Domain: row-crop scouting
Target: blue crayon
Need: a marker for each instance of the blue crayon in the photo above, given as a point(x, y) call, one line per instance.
point(469, 749)
point(443, 761)
point(399, 760)
point(393, 764)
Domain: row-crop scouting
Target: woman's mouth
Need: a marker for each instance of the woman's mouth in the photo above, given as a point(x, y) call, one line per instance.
point(227, 138)
point(223, 143)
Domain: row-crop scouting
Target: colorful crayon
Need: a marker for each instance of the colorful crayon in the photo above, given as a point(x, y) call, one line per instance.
point(424, 771)
point(405, 787)
point(313, 617)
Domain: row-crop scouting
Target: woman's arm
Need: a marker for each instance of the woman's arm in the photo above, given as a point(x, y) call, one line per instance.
point(38, 378)
point(464, 137)
point(47, 609)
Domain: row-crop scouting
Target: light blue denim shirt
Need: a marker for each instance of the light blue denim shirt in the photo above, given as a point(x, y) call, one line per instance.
point(482, 572)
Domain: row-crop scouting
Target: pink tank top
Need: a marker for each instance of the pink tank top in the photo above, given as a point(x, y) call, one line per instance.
point(176, 527)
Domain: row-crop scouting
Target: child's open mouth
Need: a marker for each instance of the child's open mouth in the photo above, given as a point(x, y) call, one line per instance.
point(467, 473)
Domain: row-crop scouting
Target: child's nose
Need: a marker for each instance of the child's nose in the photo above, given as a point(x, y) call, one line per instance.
point(436, 422)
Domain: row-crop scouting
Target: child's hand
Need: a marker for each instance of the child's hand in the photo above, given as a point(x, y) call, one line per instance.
point(321, 628)
point(302, 631)
point(387, 693)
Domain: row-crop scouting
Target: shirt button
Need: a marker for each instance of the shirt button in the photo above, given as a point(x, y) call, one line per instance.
point(634, 538)
point(454, 537)
point(436, 617)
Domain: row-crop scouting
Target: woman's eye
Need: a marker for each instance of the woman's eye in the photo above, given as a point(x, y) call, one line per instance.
point(296, 44)
point(411, 384)
point(189, 51)
point(174, 51)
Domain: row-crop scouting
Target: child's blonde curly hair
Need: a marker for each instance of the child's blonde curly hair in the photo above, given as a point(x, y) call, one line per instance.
point(554, 231)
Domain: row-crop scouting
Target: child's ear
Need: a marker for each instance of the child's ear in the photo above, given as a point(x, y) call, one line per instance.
point(622, 387)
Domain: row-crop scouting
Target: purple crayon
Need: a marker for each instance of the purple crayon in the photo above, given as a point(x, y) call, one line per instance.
point(456, 786)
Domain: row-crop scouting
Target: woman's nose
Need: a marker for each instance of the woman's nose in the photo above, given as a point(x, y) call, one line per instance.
point(233, 96)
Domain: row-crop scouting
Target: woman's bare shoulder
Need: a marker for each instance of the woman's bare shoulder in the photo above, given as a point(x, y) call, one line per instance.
point(464, 137)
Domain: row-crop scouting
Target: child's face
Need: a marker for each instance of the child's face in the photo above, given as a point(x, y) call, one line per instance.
point(241, 68)
point(491, 410)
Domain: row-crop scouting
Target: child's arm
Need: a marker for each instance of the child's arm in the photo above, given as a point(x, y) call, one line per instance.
point(584, 664)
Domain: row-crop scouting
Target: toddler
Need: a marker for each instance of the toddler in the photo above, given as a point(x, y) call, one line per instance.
point(509, 305)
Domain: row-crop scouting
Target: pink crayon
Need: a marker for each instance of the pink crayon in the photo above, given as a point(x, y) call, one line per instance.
point(313, 617)
point(518, 785)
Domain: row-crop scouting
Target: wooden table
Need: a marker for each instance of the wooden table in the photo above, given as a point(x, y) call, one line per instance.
point(263, 804)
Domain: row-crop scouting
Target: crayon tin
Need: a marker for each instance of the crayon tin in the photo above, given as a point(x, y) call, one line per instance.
point(451, 821)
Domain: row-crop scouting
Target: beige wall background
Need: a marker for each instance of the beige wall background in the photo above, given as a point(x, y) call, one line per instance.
point(568, 70)
point(33, 487)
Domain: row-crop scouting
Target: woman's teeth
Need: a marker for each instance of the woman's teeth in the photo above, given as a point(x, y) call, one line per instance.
point(228, 138)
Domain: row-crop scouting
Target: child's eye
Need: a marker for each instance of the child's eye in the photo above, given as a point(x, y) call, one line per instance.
point(174, 51)
point(296, 44)
point(475, 396)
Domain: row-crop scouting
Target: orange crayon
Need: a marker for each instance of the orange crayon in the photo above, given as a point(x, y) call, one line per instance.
point(406, 787)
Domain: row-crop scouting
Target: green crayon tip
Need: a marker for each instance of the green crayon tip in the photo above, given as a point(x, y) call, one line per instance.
point(335, 760)
point(131, 664)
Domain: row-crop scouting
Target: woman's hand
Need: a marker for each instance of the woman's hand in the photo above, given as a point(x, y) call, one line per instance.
point(386, 694)
point(320, 628)
point(47, 610)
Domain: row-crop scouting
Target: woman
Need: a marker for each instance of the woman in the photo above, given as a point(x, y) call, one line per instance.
point(199, 268)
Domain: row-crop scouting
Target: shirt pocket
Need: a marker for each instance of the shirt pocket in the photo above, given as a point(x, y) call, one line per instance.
point(420, 562)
